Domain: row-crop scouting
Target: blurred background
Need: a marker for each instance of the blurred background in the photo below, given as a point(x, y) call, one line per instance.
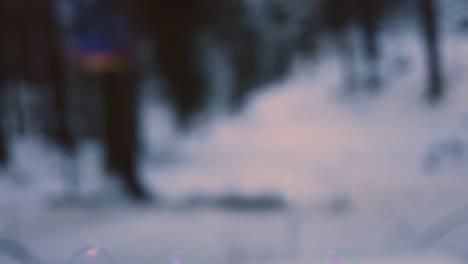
point(234, 131)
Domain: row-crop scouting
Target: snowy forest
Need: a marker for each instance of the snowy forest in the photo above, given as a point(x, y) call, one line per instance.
point(234, 131)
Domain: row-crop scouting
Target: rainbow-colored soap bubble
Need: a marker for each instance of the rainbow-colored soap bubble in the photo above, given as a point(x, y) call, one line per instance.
point(177, 257)
point(91, 255)
point(333, 257)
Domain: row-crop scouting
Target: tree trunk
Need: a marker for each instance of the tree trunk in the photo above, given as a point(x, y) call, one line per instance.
point(3, 77)
point(120, 103)
point(431, 36)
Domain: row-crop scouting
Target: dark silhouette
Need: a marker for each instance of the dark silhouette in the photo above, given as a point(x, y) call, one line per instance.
point(120, 94)
point(3, 77)
point(371, 12)
point(3, 143)
point(431, 37)
point(59, 127)
point(104, 34)
point(172, 27)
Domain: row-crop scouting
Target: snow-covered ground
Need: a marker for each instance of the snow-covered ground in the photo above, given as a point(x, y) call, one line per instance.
point(359, 173)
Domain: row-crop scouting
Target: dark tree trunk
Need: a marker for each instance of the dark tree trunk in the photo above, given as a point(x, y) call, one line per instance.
point(3, 141)
point(120, 95)
point(3, 149)
point(177, 61)
point(431, 36)
point(62, 132)
point(337, 16)
point(3, 37)
point(244, 50)
point(54, 83)
point(173, 27)
point(370, 13)
point(3, 65)
point(3, 146)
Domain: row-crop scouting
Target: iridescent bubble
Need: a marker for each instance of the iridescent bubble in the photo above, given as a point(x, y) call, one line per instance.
point(91, 255)
point(333, 257)
point(177, 257)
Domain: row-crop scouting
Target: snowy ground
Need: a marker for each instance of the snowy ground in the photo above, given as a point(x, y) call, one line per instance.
point(354, 170)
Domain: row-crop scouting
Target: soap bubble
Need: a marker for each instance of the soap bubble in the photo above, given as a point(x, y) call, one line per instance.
point(177, 257)
point(91, 255)
point(332, 257)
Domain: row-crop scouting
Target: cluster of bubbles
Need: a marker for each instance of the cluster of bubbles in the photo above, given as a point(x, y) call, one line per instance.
point(93, 255)
point(176, 257)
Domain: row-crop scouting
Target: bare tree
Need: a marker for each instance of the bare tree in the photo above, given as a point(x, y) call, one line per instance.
point(3, 76)
point(431, 34)
point(120, 95)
